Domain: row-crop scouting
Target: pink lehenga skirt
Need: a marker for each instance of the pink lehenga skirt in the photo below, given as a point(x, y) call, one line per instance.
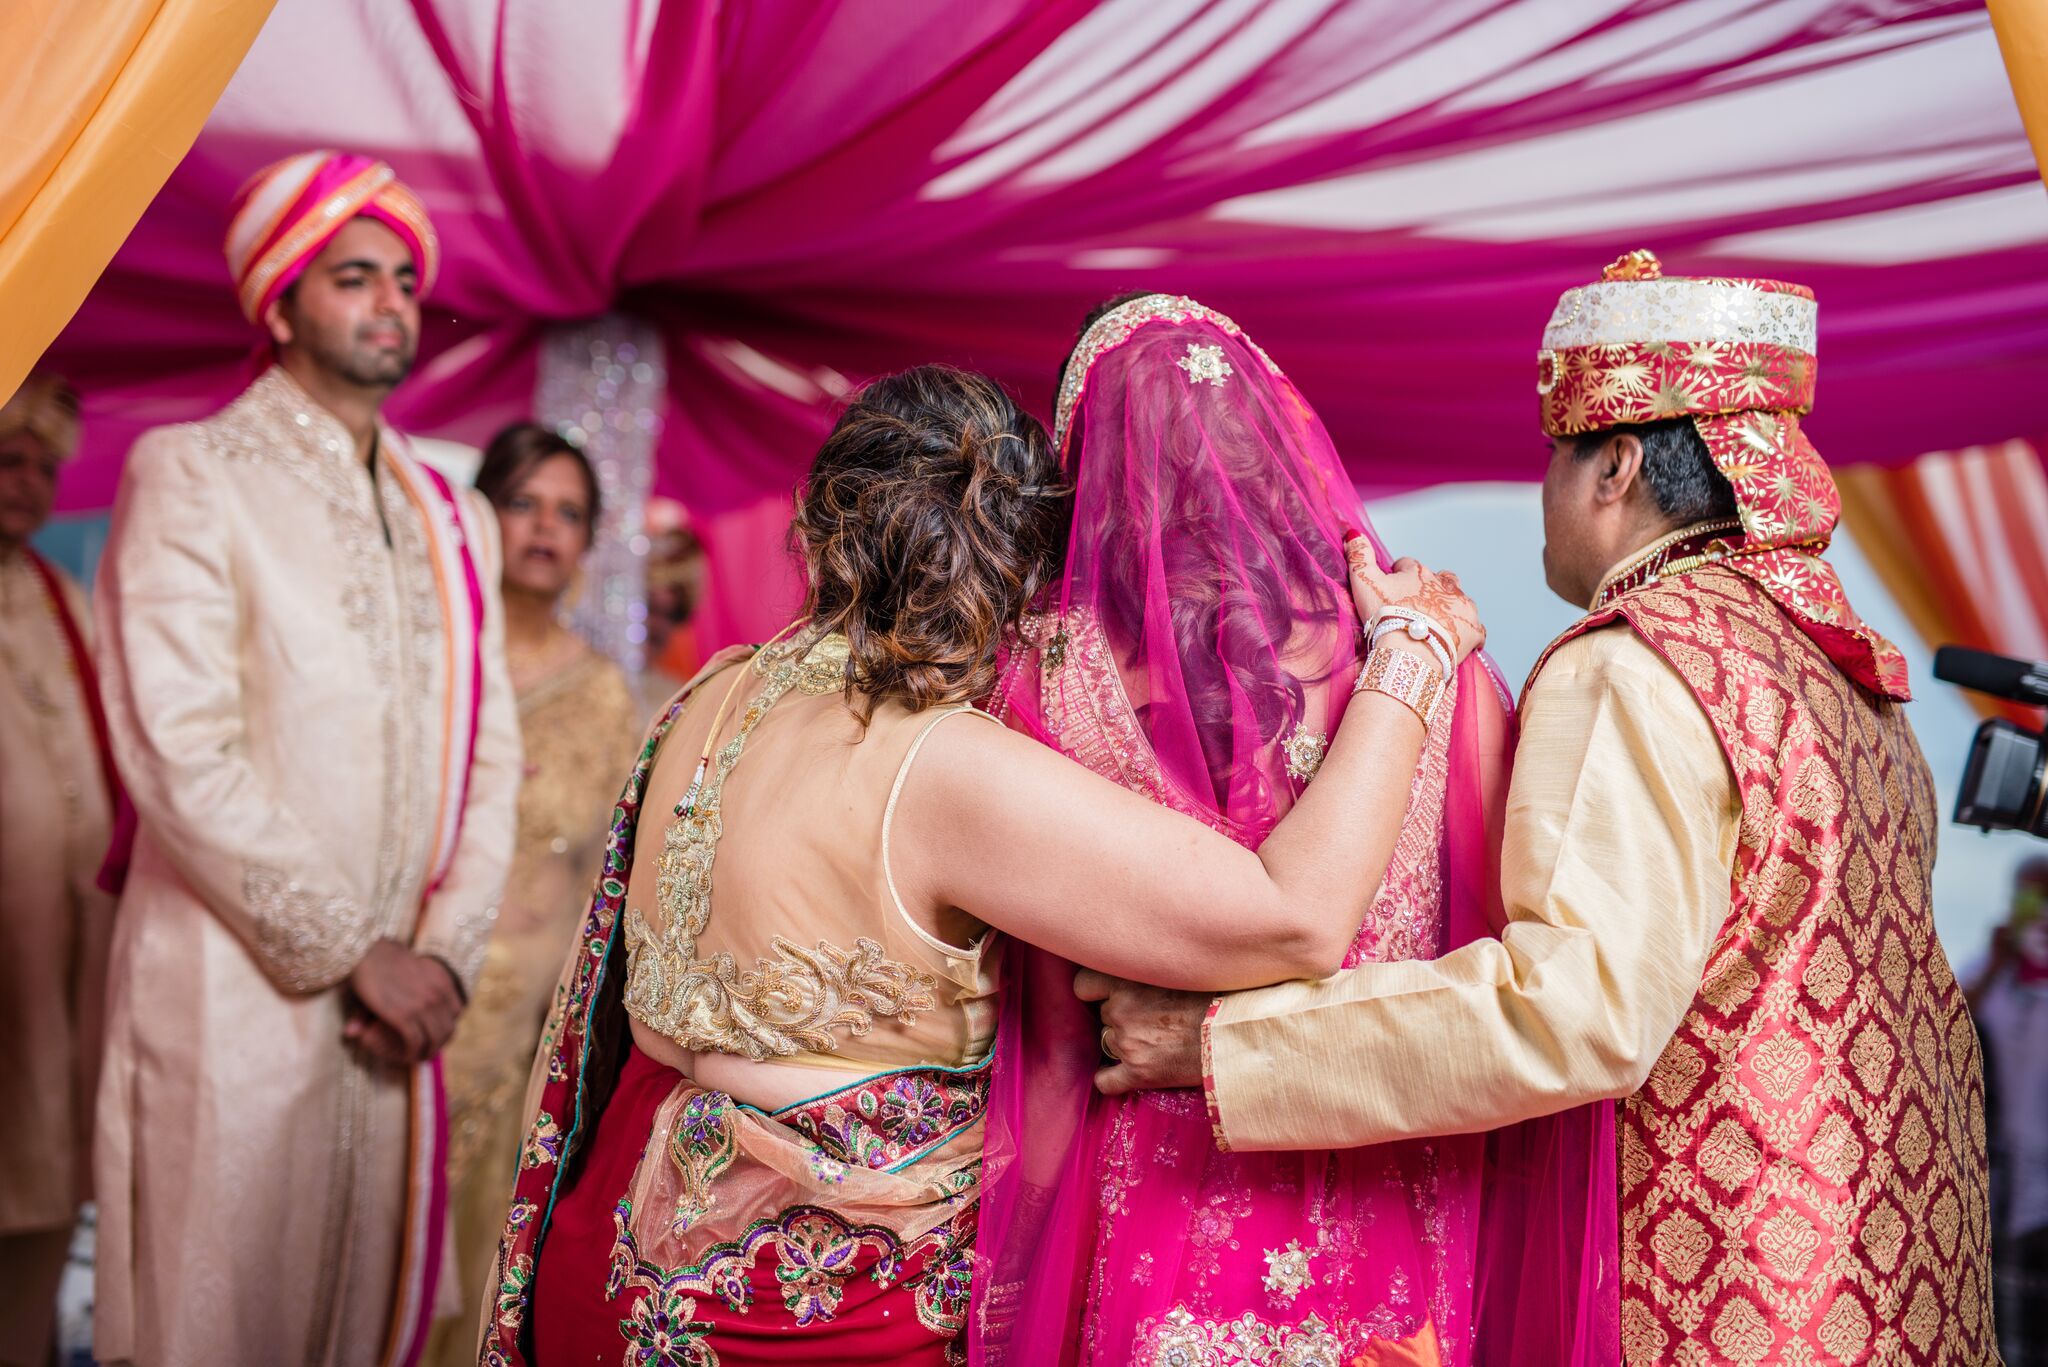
point(1359, 1256)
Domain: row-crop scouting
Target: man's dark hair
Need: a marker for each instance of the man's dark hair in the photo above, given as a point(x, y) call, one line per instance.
point(1677, 468)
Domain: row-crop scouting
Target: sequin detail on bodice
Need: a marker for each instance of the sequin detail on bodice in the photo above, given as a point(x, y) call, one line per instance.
point(799, 999)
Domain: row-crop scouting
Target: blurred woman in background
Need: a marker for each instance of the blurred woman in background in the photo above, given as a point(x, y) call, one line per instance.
point(579, 724)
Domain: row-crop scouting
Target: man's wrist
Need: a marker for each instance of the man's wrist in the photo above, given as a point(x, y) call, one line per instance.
point(461, 989)
point(370, 951)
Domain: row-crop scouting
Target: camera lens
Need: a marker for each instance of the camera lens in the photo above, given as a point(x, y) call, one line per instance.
point(2003, 783)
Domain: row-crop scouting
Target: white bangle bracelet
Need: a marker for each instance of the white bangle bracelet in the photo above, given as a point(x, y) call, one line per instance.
point(1437, 649)
point(1419, 627)
point(1436, 655)
point(1417, 623)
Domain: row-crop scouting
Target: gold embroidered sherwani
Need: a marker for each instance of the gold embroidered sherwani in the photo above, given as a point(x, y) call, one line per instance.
point(275, 665)
point(54, 923)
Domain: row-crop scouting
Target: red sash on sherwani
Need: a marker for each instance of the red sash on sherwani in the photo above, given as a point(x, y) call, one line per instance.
point(1803, 1176)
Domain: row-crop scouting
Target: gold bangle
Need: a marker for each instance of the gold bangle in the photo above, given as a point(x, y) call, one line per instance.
point(1414, 682)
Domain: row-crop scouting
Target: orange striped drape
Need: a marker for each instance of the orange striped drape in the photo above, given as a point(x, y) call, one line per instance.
point(100, 102)
point(1961, 540)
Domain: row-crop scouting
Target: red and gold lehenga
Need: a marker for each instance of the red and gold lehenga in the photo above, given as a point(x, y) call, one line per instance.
point(661, 1218)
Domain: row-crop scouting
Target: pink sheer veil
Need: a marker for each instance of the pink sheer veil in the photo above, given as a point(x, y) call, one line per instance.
point(1205, 596)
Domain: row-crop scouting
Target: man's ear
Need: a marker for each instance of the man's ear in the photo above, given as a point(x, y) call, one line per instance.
point(1620, 460)
point(277, 324)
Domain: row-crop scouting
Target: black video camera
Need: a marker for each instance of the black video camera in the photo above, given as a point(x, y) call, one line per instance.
point(2007, 774)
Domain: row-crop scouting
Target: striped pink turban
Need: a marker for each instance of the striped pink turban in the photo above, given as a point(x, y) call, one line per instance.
point(289, 211)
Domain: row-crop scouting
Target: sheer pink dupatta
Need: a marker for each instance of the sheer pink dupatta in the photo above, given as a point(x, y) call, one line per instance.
point(1200, 650)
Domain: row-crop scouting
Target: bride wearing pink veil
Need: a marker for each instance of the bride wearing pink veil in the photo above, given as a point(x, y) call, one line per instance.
point(1199, 649)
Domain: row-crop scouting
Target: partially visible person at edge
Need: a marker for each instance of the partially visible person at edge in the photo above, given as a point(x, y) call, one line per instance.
point(58, 795)
point(578, 727)
point(1720, 835)
point(1198, 650)
point(675, 586)
point(2009, 996)
point(756, 1130)
point(304, 672)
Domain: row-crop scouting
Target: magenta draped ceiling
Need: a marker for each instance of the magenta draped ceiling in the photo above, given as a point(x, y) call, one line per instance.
point(1388, 194)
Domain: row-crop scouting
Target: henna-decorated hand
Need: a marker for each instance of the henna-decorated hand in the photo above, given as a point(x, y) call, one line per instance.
point(1410, 584)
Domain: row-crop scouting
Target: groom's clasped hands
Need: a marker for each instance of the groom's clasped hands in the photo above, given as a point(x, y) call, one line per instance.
point(403, 1004)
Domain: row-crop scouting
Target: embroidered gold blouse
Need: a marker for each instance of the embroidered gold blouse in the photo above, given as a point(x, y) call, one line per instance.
point(764, 923)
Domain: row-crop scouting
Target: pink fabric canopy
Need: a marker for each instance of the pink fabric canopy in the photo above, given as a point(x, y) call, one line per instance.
point(800, 193)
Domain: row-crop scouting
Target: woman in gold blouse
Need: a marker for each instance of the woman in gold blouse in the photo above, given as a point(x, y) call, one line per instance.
point(579, 724)
point(756, 1128)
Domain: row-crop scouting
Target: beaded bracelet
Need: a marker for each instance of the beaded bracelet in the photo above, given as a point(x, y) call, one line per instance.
point(1436, 647)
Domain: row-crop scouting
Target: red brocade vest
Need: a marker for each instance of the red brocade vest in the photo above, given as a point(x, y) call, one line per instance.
point(1803, 1175)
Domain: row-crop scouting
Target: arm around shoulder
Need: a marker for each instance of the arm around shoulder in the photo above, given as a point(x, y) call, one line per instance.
point(1038, 846)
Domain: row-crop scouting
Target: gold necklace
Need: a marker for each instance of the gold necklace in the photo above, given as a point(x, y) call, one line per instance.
point(1655, 561)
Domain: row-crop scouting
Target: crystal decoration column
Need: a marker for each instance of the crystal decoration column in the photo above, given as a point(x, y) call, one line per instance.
point(602, 385)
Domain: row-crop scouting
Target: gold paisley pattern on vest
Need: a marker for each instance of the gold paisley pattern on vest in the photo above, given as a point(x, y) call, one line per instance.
point(796, 1001)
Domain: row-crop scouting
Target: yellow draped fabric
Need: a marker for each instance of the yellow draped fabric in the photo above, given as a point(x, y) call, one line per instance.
point(2022, 28)
point(99, 104)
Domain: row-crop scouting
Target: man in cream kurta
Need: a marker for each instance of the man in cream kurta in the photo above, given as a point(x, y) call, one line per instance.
point(56, 810)
point(281, 673)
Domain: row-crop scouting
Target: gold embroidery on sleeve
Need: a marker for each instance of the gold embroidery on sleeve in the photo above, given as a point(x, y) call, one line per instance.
point(309, 939)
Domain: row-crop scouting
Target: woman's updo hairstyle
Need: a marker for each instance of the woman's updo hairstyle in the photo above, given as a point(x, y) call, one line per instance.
point(933, 514)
